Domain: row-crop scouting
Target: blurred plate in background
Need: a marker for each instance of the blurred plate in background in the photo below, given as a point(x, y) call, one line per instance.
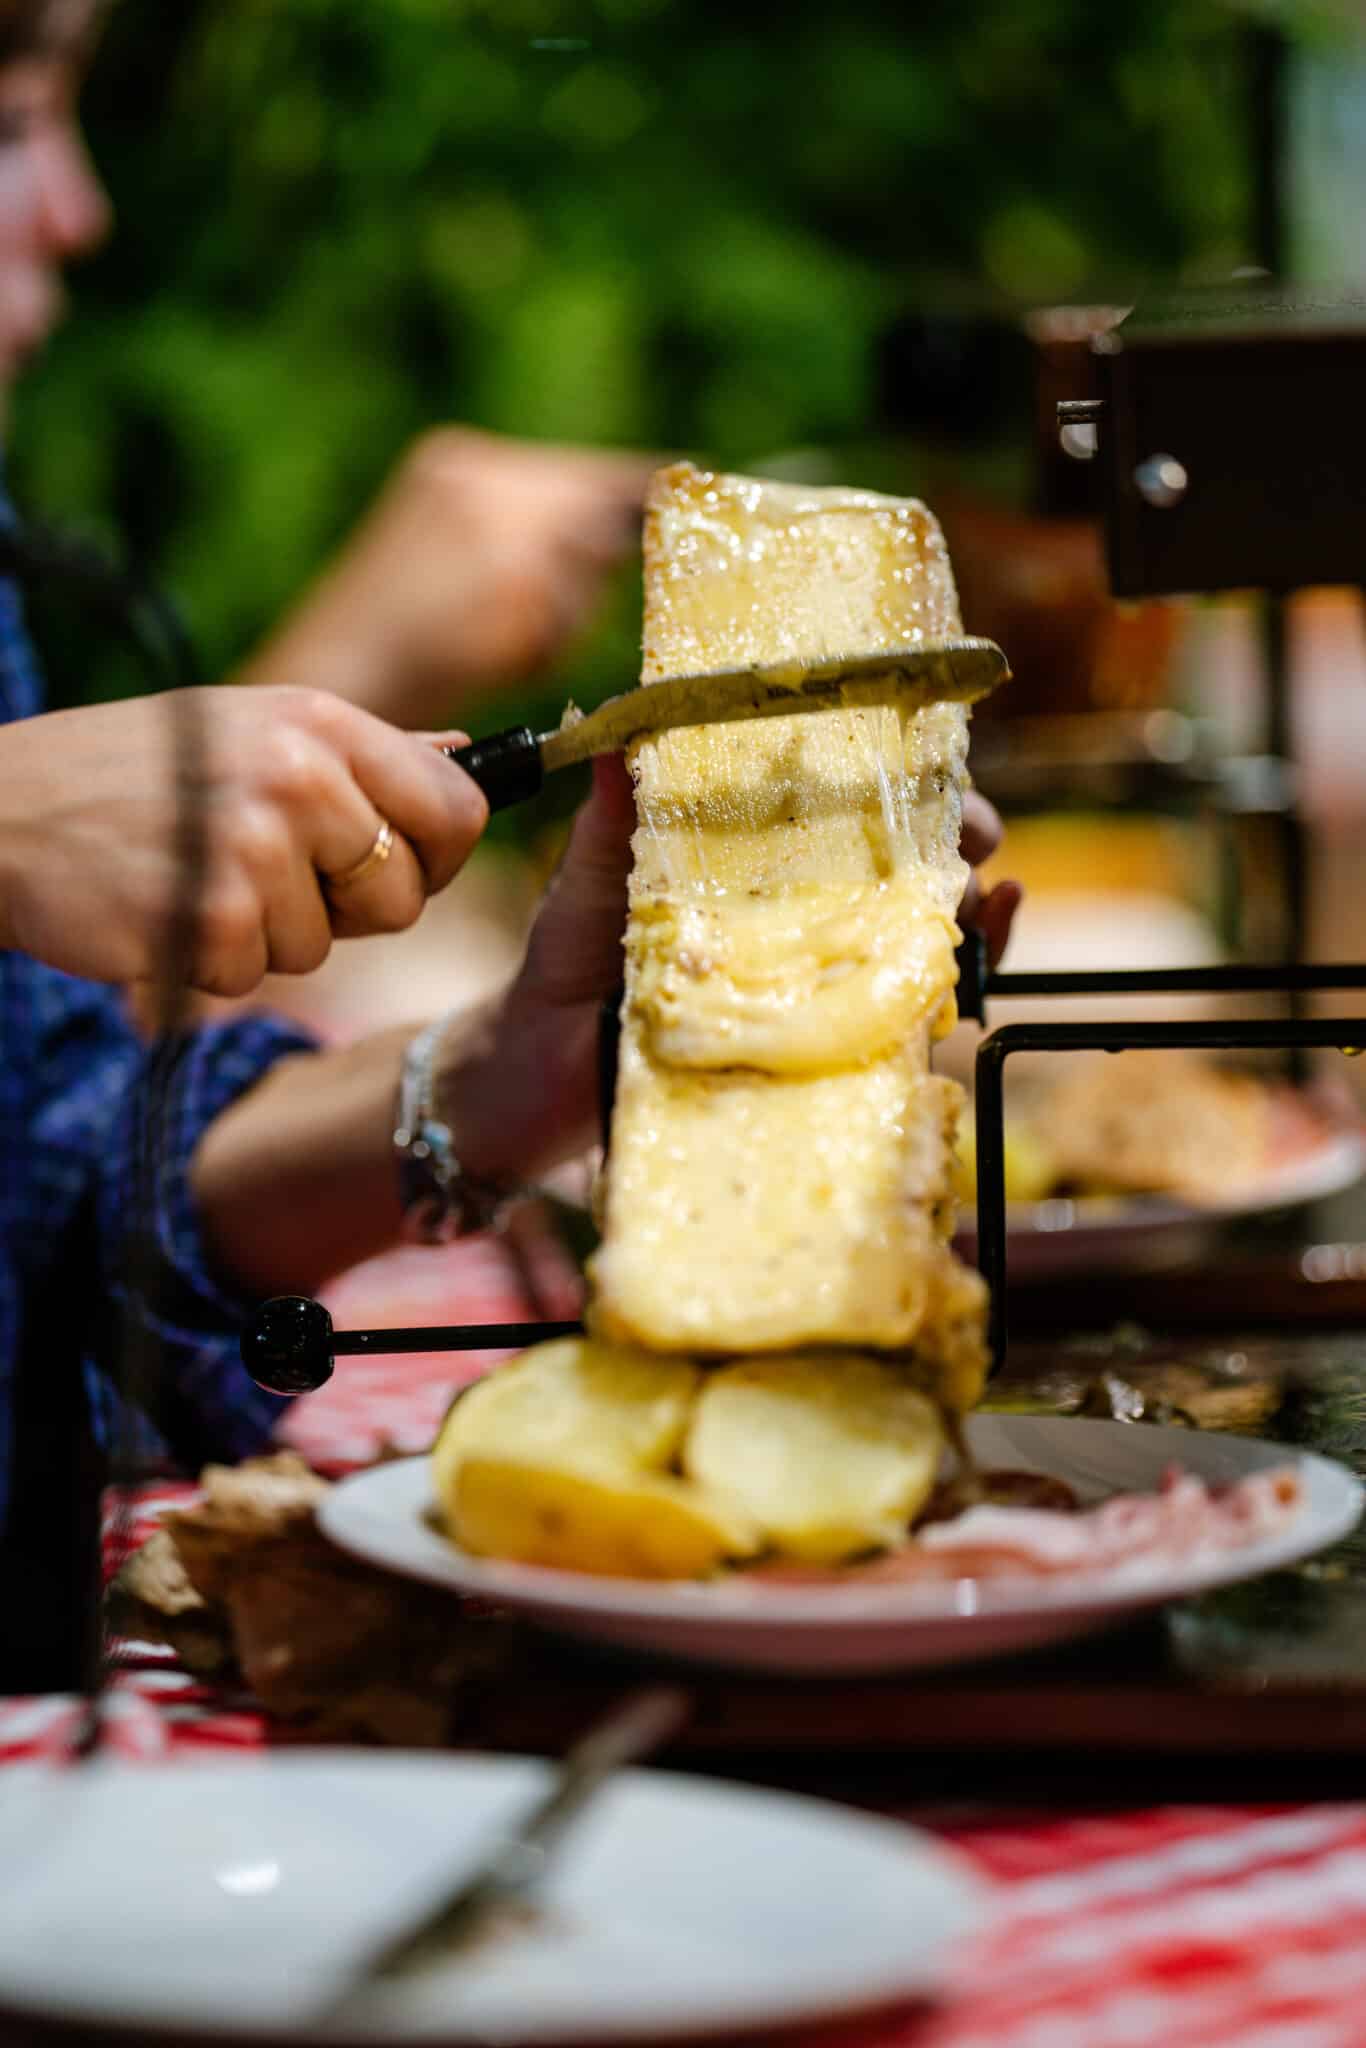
point(197, 1901)
point(1108, 1232)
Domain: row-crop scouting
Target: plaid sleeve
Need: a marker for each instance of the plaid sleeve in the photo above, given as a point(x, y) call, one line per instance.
point(88, 1140)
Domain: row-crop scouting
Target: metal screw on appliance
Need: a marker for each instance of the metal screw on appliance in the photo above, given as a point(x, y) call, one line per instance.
point(1161, 481)
point(1079, 426)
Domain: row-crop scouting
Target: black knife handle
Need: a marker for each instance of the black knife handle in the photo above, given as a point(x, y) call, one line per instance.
point(507, 765)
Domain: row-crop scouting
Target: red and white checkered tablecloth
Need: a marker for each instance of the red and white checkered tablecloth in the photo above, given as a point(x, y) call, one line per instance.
point(1177, 1926)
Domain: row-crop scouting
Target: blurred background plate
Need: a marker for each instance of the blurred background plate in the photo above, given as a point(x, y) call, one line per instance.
point(1109, 1232)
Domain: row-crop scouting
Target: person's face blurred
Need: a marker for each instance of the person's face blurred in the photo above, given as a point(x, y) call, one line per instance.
point(52, 205)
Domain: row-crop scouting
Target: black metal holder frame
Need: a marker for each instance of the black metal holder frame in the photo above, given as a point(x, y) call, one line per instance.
point(290, 1344)
point(1239, 1034)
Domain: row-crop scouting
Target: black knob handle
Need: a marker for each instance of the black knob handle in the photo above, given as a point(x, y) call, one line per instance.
point(287, 1345)
point(507, 765)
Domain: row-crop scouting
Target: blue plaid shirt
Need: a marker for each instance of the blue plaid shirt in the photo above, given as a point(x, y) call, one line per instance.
point(72, 1076)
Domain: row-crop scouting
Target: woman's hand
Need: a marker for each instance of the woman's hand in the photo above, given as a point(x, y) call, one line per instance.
point(523, 1095)
point(296, 788)
point(480, 559)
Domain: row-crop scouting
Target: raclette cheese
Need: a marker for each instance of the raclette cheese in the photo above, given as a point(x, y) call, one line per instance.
point(807, 982)
point(779, 1174)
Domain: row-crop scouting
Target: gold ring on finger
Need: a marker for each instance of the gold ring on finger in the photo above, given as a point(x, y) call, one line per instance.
point(370, 862)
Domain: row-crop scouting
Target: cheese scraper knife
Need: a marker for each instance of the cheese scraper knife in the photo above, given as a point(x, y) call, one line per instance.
point(511, 766)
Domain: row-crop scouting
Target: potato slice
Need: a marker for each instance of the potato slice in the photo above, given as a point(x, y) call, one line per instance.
point(561, 1457)
point(623, 1411)
point(831, 1453)
point(651, 1526)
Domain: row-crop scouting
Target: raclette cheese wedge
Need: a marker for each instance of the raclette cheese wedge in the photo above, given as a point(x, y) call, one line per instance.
point(779, 1173)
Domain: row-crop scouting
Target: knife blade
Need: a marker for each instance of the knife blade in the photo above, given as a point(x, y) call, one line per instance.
point(510, 766)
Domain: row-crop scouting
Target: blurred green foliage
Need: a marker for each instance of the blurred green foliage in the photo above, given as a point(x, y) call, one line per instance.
point(684, 225)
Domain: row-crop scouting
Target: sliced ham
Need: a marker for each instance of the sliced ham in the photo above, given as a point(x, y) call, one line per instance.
point(1183, 1523)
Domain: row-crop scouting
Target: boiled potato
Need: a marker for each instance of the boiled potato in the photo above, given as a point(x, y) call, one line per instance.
point(624, 1410)
point(830, 1454)
point(646, 1526)
point(561, 1457)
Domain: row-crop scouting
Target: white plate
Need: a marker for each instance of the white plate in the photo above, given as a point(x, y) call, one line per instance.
point(387, 1516)
point(1066, 1234)
point(198, 1899)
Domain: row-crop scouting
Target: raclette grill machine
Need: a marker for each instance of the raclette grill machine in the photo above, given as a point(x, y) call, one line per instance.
point(1228, 432)
point(1226, 429)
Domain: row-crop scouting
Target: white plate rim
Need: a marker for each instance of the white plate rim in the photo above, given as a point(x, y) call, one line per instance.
point(408, 1544)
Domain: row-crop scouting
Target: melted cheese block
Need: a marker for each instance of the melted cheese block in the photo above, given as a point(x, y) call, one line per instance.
point(779, 1169)
point(806, 983)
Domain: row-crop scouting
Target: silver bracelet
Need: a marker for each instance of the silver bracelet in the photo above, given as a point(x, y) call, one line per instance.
point(440, 1199)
